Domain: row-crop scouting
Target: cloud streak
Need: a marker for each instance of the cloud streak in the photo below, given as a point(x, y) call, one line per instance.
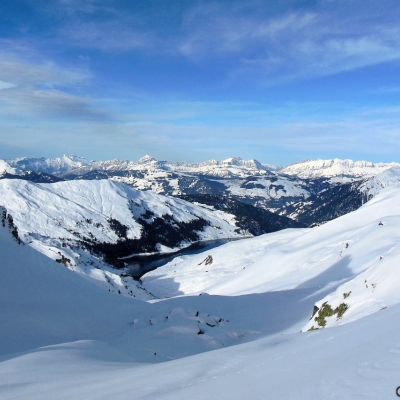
point(294, 45)
point(252, 39)
point(42, 90)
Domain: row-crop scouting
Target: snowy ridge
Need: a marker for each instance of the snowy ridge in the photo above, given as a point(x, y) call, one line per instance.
point(373, 186)
point(6, 168)
point(331, 168)
point(231, 167)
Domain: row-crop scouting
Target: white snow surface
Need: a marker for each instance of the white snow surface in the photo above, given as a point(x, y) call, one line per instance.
point(187, 275)
point(6, 168)
point(64, 338)
point(336, 167)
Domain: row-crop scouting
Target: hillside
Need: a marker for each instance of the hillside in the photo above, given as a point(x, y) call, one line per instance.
point(352, 259)
point(89, 226)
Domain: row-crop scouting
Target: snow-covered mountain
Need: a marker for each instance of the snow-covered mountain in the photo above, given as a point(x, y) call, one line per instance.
point(310, 193)
point(336, 168)
point(246, 181)
point(373, 186)
point(89, 226)
point(229, 168)
point(55, 166)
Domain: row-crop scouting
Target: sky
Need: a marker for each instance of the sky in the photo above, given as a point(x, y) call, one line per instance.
point(279, 81)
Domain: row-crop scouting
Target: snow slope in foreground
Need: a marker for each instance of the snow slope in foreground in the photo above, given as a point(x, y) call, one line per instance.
point(352, 254)
point(356, 361)
point(43, 303)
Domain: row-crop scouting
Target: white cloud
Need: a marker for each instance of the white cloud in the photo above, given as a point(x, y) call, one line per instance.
point(6, 85)
point(43, 90)
point(295, 44)
point(24, 72)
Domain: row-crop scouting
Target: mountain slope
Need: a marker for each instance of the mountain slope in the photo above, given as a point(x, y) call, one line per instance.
point(88, 226)
point(336, 167)
point(6, 168)
point(355, 253)
point(43, 303)
point(256, 221)
point(373, 186)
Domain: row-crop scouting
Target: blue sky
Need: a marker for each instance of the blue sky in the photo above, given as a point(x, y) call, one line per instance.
point(189, 80)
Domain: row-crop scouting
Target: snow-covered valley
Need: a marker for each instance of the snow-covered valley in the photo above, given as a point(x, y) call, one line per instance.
point(300, 312)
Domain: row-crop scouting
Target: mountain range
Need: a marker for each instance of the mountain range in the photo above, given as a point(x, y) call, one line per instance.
point(310, 192)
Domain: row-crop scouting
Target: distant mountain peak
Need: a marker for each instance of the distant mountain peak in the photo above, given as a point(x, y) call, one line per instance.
point(146, 159)
point(75, 158)
point(239, 162)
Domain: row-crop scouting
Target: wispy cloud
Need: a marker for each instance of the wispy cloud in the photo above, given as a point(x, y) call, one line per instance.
point(51, 103)
point(248, 39)
point(6, 85)
point(24, 72)
point(296, 44)
point(33, 90)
